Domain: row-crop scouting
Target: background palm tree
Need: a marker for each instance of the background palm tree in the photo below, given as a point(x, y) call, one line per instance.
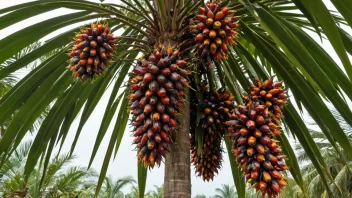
point(57, 181)
point(226, 191)
point(339, 168)
point(112, 189)
point(134, 193)
point(272, 41)
point(158, 192)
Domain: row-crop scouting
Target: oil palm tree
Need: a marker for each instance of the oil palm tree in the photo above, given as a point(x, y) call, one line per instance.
point(271, 39)
point(226, 191)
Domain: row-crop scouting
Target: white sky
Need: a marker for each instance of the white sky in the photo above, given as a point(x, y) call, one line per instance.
point(125, 163)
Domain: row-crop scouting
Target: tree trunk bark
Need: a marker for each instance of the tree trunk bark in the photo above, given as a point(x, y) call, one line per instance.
point(177, 181)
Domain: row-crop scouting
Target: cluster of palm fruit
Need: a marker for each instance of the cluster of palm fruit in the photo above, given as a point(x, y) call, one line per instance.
point(254, 130)
point(215, 29)
point(92, 51)
point(157, 87)
point(215, 111)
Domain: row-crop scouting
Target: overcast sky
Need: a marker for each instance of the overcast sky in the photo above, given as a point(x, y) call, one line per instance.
point(125, 163)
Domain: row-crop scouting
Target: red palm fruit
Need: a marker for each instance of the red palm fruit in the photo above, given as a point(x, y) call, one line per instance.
point(156, 116)
point(161, 92)
point(172, 123)
point(217, 25)
point(213, 48)
point(169, 85)
point(241, 141)
point(225, 10)
point(165, 136)
point(174, 77)
point(282, 182)
point(148, 108)
point(243, 117)
point(161, 79)
point(259, 148)
point(266, 176)
point(150, 133)
point(137, 95)
point(212, 34)
point(219, 16)
point(275, 187)
point(160, 107)
point(181, 63)
point(151, 144)
point(201, 18)
point(278, 84)
point(243, 131)
point(257, 133)
point(148, 93)
point(200, 37)
point(201, 10)
point(275, 174)
point(260, 108)
point(209, 21)
point(157, 137)
point(201, 26)
point(210, 14)
point(156, 126)
point(140, 118)
point(135, 105)
point(137, 140)
point(265, 140)
point(265, 129)
point(260, 120)
point(165, 100)
point(206, 42)
point(251, 141)
point(250, 124)
point(158, 55)
point(140, 70)
point(218, 41)
point(206, 31)
point(165, 118)
point(255, 175)
point(274, 91)
point(267, 165)
point(260, 157)
point(144, 139)
point(250, 151)
point(282, 96)
point(262, 186)
point(147, 77)
point(255, 165)
point(271, 158)
point(143, 101)
point(153, 69)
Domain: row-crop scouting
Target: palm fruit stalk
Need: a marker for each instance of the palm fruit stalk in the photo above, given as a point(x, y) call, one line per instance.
point(157, 85)
point(215, 111)
point(92, 51)
point(215, 30)
point(254, 131)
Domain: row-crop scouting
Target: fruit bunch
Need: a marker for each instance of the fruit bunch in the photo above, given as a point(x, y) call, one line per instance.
point(215, 111)
point(157, 88)
point(92, 51)
point(273, 95)
point(257, 151)
point(215, 30)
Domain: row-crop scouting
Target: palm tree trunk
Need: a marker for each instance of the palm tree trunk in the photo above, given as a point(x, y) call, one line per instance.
point(177, 181)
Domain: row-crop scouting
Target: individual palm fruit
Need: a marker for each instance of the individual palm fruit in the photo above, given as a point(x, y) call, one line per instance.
point(92, 51)
point(215, 29)
point(155, 101)
point(213, 113)
point(254, 129)
point(271, 94)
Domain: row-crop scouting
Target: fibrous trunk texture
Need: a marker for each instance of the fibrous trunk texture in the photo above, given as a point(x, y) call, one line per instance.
point(177, 182)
